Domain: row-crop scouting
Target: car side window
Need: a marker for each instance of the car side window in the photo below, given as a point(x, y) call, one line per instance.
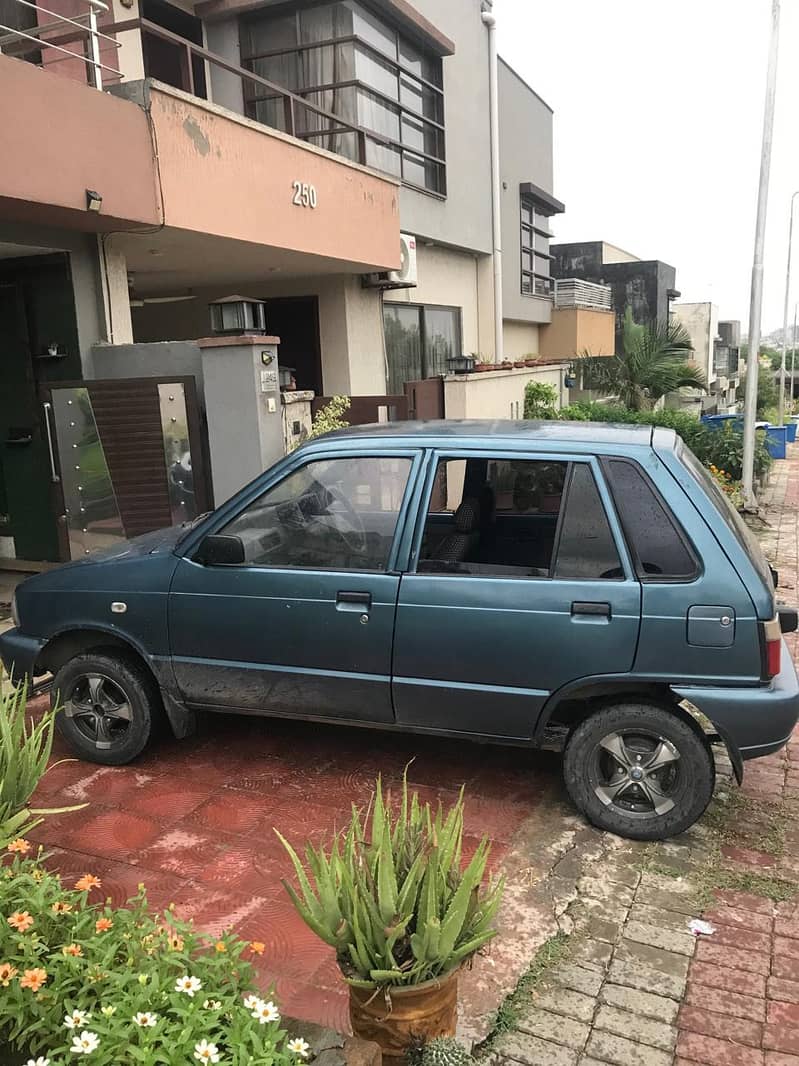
point(493, 517)
point(657, 542)
point(331, 514)
point(586, 550)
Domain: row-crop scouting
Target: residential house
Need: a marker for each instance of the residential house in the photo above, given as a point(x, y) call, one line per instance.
point(271, 150)
point(716, 351)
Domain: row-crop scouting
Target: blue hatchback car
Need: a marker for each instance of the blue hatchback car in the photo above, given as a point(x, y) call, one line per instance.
point(520, 583)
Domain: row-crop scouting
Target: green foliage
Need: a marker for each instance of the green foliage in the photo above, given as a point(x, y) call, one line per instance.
point(70, 969)
point(722, 448)
point(24, 751)
point(441, 1051)
point(395, 903)
point(767, 393)
point(330, 417)
point(540, 400)
point(652, 362)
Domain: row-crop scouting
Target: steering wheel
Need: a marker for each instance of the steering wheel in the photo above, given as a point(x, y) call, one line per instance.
point(355, 538)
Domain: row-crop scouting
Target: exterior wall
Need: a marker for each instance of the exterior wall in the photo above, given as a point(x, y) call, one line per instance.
point(225, 89)
point(496, 393)
point(612, 254)
point(575, 330)
point(525, 143)
point(521, 339)
point(156, 360)
point(93, 141)
point(702, 323)
point(449, 279)
point(463, 219)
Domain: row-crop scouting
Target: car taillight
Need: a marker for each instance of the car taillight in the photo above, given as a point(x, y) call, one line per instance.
point(772, 643)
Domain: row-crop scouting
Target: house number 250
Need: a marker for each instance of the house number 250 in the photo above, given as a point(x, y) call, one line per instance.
point(304, 194)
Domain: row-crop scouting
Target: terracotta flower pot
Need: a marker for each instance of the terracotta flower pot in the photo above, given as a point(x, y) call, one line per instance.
point(395, 1017)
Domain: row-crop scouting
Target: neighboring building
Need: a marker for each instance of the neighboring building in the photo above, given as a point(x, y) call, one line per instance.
point(270, 149)
point(645, 286)
point(716, 350)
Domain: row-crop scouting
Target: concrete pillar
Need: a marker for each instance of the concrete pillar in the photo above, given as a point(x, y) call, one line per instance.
point(116, 301)
point(243, 408)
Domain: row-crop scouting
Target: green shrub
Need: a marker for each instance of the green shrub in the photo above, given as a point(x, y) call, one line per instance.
point(133, 988)
point(540, 401)
point(441, 1051)
point(395, 904)
point(330, 417)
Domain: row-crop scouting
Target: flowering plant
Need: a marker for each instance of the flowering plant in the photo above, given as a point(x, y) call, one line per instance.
point(81, 981)
point(728, 485)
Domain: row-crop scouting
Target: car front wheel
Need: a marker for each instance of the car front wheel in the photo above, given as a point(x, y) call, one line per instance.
point(639, 770)
point(108, 704)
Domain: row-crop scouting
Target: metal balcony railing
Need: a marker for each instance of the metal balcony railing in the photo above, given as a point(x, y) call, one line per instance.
point(574, 292)
point(46, 39)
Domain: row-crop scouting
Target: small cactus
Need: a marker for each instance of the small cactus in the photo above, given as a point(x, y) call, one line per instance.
point(445, 1051)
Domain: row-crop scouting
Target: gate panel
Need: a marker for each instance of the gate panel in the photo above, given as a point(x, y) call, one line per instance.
point(425, 398)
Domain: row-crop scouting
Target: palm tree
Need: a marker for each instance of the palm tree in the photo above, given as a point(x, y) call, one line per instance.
point(652, 362)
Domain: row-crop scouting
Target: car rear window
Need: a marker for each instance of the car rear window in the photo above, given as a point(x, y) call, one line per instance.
point(658, 544)
point(586, 550)
point(727, 512)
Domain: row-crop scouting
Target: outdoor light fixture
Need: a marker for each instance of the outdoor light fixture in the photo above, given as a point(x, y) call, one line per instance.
point(94, 200)
point(238, 314)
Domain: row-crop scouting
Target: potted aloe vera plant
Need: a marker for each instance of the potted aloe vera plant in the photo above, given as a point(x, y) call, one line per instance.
point(393, 896)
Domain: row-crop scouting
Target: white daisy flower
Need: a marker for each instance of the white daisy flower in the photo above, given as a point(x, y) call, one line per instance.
point(108, 1012)
point(41, 1061)
point(85, 1044)
point(298, 1046)
point(76, 1020)
point(266, 1012)
point(145, 1018)
point(252, 1002)
point(212, 1004)
point(205, 1052)
point(189, 985)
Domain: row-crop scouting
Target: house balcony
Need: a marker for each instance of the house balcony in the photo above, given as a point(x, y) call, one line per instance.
point(582, 321)
point(574, 293)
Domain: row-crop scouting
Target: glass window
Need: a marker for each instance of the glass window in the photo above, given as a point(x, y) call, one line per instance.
point(535, 262)
point(337, 514)
point(493, 517)
point(419, 341)
point(587, 550)
point(658, 544)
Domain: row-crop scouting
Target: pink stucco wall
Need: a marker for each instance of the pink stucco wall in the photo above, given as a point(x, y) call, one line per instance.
point(62, 137)
point(234, 178)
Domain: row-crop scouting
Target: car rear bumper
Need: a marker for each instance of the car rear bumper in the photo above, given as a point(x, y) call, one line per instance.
point(19, 653)
point(755, 721)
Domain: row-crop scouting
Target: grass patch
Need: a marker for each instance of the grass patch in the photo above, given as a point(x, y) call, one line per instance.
point(747, 822)
point(517, 1002)
point(774, 888)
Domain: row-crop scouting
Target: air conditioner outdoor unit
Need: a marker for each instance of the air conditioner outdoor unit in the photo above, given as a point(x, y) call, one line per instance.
point(404, 278)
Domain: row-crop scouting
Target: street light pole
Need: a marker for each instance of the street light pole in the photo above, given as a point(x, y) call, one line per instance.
point(793, 349)
point(756, 297)
point(785, 314)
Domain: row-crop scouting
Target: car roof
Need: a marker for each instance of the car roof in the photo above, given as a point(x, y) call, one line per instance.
point(582, 433)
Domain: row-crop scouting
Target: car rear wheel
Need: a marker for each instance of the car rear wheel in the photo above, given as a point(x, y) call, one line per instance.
point(108, 706)
point(639, 770)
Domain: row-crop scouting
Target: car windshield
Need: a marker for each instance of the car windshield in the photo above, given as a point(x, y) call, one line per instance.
point(728, 513)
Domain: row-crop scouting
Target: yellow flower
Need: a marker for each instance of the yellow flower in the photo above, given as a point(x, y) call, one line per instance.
point(61, 907)
point(257, 947)
point(220, 947)
point(75, 950)
point(21, 921)
point(19, 846)
point(7, 974)
point(176, 942)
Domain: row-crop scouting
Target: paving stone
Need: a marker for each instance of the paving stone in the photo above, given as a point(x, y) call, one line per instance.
point(749, 984)
point(654, 896)
point(724, 1002)
point(738, 917)
point(608, 1047)
point(706, 1049)
point(729, 936)
point(599, 929)
point(657, 937)
point(783, 1013)
point(619, 873)
point(532, 1051)
point(702, 1020)
point(776, 1058)
point(555, 1027)
point(646, 979)
point(674, 886)
point(595, 954)
point(645, 1030)
point(646, 1004)
point(566, 1001)
point(784, 945)
point(781, 1038)
point(586, 1061)
point(601, 888)
point(578, 978)
point(609, 910)
point(783, 989)
point(733, 958)
point(668, 962)
point(642, 912)
point(784, 966)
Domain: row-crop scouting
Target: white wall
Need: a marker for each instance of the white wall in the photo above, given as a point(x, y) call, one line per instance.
point(701, 320)
point(520, 339)
point(496, 393)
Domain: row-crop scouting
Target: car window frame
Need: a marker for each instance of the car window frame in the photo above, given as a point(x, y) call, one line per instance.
point(426, 486)
point(682, 535)
point(239, 503)
point(562, 518)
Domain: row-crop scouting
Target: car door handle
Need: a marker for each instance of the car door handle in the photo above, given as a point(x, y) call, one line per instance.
point(594, 610)
point(354, 601)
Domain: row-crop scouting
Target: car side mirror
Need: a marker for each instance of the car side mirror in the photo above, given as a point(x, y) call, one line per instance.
point(220, 550)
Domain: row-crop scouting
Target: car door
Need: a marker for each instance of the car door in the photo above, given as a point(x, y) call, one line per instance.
point(521, 584)
point(304, 625)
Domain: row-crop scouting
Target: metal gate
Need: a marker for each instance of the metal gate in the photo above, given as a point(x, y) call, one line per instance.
point(425, 398)
point(127, 456)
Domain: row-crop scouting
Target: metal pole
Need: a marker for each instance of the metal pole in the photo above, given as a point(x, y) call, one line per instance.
point(756, 299)
point(490, 22)
point(94, 48)
point(793, 351)
point(785, 314)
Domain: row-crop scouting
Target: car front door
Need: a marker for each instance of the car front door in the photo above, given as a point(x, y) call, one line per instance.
point(304, 625)
point(519, 582)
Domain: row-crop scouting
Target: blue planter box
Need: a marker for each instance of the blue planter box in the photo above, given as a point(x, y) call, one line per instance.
point(791, 427)
point(777, 441)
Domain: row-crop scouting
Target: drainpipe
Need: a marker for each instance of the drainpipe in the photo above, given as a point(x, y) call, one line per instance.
point(490, 22)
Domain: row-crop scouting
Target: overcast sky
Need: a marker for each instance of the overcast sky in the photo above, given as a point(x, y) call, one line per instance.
point(658, 122)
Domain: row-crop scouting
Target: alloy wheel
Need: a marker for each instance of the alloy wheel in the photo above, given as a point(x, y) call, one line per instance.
point(100, 709)
point(637, 772)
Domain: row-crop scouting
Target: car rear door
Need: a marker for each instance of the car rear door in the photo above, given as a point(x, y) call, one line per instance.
point(548, 596)
point(304, 626)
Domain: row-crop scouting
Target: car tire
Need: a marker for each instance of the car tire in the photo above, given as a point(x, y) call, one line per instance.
point(108, 706)
point(639, 770)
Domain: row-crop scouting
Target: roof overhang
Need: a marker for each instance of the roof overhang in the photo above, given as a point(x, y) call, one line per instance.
point(546, 201)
